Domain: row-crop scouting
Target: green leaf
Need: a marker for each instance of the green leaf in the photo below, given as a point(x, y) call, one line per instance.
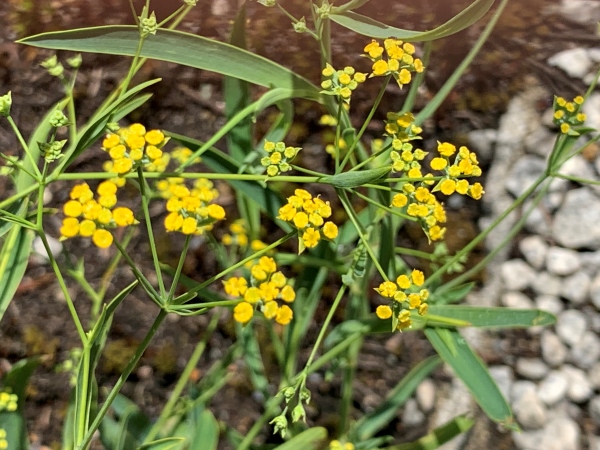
point(473, 372)
point(372, 28)
point(311, 439)
point(177, 47)
point(18, 376)
point(17, 208)
point(14, 257)
point(164, 444)
point(452, 295)
point(381, 416)
point(439, 436)
point(206, 430)
point(493, 317)
point(16, 434)
point(254, 360)
point(355, 179)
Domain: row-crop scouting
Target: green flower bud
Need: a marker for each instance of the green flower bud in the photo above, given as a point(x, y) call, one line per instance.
point(5, 104)
point(280, 424)
point(291, 152)
point(272, 170)
point(298, 413)
point(305, 395)
point(53, 150)
point(148, 25)
point(300, 26)
point(190, 2)
point(288, 393)
point(265, 161)
point(58, 119)
point(113, 126)
point(284, 167)
point(75, 61)
point(268, 3)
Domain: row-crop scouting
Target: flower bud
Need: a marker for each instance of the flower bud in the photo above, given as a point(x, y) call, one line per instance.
point(5, 104)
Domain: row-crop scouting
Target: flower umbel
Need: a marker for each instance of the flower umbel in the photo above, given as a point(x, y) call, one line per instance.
point(279, 157)
point(567, 114)
point(398, 62)
point(341, 82)
point(405, 296)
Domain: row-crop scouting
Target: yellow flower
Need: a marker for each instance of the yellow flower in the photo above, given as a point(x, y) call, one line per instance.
point(216, 212)
point(270, 309)
point(403, 282)
point(446, 149)
point(436, 233)
point(153, 152)
point(87, 228)
point(380, 67)
point(242, 313)
point(311, 237)
point(258, 272)
point(252, 295)
point(102, 238)
point(70, 227)
point(122, 165)
point(404, 76)
point(107, 201)
point(387, 289)
point(417, 277)
point(72, 208)
point(173, 221)
point(154, 137)
point(189, 225)
point(301, 220)
point(284, 315)
point(384, 312)
point(137, 128)
point(268, 291)
point(438, 163)
point(111, 141)
point(267, 264)
point(235, 286)
point(373, 49)
point(448, 186)
point(288, 294)
point(106, 188)
point(330, 230)
point(462, 187)
point(476, 191)
point(399, 200)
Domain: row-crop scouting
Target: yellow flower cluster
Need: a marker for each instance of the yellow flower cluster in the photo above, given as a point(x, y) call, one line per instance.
point(89, 217)
point(3, 441)
point(238, 235)
point(191, 211)
point(279, 157)
point(341, 82)
point(267, 286)
point(405, 298)
point(399, 61)
point(567, 115)
point(465, 165)
point(132, 147)
point(182, 154)
point(8, 401)
point(423, 205)
point(307, 214)
point(337, 445)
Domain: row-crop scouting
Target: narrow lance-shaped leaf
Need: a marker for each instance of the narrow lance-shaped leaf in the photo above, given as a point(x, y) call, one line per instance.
point(177, 47)
point(372, 28)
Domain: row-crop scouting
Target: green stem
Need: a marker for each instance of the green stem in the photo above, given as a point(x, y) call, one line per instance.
point(383, 207)
point(413, 252)
point(151, 241)
point(139, 275)
point(13, 198)
point(121, 381)
point(203, 305)
point(367, 120)
point(186, 246)
point(24, 145)
point(165, 414)
point(17, 164)
point(371, 158)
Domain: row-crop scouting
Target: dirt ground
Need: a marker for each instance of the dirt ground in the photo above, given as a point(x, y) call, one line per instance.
point(189, 101)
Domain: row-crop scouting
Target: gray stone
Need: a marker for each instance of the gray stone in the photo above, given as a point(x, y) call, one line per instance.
point(538, 220)
point(584, 12)
point(546, 283)
point(558, 434)
point(531, 368)
point(425, 395)
point(522, 175)
point(590, 262)
point(595, 291)
point(38, 247)
point(593, 376)
point(594, 409)
point(591, 108)
point(579, 388)
point(534, 249)
point(587, 352)
point(576, 223)
point(503, 376)
point(562, 261)
point(553, 388)
point(540, 142)
point(576, 287)
point(575, 62)
point(517, 274)
point(516, 300)
point(529, 411)
point(571, 326)
point(578, 166)
point(412, 416)
point(554, 351)
point(549, 303)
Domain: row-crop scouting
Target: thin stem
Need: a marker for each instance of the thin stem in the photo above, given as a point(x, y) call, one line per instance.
point(383, 207)
point(413, 252)
point(139, 275)
point(24, 145)
point(186, 246)
point(338, 134)
point(367, 120)
point(151, 241)
point(15, 162)
point(13, 198)
point(371, 158)
point(204, 305)
point(121, 381)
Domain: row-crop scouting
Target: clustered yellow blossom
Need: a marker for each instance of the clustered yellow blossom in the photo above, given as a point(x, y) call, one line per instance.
point(307, 214)
point(133, 147)
point(567, 114)
point(266, 289)
point(182, 154)
point(279, 157)
point(417, 196)
point(398, 62)
point(337, 445)
point(191, 211)
point(8, 400)
point(3, 441)
point(405, 297)
point(87, 216)
point(341, 82)
point(238, 235)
